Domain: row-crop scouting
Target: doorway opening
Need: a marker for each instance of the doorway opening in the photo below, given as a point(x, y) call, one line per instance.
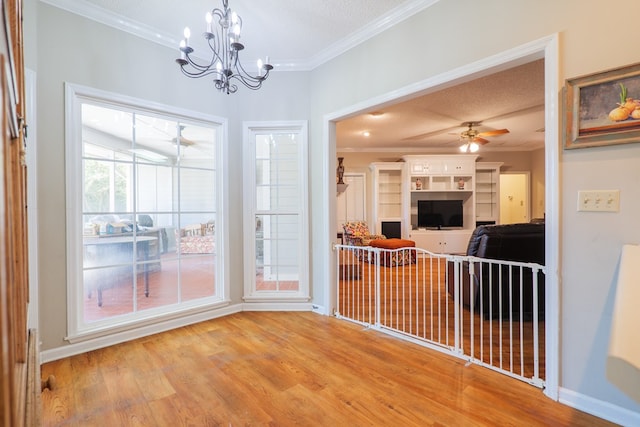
point(546, 48)
point(515, 205)
point(351, 204)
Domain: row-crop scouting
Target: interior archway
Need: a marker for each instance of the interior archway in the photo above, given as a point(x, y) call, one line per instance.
point(546, 48)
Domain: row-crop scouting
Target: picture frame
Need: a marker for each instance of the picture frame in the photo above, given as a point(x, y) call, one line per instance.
point(590, 101)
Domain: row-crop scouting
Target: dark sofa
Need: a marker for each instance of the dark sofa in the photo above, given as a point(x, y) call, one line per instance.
point(510, 242)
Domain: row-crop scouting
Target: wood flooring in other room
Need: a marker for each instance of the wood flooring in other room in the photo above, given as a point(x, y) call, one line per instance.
point(288, 368)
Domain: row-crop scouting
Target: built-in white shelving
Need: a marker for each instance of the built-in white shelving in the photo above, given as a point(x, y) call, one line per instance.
point(488, 192)
point(399, 186)
point(387, 197)
point(440, 177)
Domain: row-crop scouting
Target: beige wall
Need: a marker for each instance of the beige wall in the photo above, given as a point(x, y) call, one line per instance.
point(590, 244)
point(64, 47)
point(429, 44)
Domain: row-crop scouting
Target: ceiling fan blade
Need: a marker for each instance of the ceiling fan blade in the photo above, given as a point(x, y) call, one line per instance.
point(183, 141)
point(494, 132)
point(480, 141)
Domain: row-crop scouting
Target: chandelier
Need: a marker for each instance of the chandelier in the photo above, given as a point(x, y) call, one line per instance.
point(224, 65)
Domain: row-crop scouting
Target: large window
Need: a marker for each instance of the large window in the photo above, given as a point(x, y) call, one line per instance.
point(276, 244)
point(143, 220)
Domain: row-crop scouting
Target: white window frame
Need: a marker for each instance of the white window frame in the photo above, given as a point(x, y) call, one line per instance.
point(75, 96)
point(251, 294)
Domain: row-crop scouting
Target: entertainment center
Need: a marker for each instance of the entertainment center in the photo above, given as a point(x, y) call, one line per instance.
point(432, 199)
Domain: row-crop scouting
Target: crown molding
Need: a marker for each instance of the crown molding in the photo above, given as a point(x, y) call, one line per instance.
point(106, 17)
point(371, 30)
point(122, 23)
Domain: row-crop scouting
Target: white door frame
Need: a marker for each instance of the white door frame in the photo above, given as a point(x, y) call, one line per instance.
point(547, 48)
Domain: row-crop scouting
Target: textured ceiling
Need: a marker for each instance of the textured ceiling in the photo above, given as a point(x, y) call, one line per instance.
point(511, 99)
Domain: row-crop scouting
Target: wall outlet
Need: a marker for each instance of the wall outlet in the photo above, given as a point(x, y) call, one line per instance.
point(599, 201)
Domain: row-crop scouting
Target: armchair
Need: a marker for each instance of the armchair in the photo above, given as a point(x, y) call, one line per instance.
point(356, 233)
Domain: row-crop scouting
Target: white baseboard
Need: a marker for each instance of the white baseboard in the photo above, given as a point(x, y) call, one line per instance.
point(162, 326)
point(277, 306)
point(599, 408)
point(132, 334)
point(319, 309)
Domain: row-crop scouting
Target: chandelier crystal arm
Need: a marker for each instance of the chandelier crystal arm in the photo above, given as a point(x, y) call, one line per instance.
point(225, 46)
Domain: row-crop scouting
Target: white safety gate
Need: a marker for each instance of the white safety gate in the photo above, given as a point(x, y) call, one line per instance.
point(488, 312)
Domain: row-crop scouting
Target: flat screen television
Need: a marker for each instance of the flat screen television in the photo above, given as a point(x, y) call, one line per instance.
point(440, 214)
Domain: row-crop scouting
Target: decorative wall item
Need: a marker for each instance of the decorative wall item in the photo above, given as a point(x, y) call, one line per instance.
point(603, 108)
point(340, 170)
point(341, 187)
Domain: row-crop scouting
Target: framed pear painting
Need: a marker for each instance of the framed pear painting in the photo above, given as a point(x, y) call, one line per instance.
point(603, 108)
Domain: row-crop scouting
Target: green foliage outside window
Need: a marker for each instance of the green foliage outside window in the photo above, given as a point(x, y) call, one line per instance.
point(98, 190)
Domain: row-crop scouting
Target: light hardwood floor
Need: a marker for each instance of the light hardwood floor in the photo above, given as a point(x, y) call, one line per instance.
point(414, 300)
point(288, 368)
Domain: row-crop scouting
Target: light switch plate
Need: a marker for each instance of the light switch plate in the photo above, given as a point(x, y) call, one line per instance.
point(599, 201)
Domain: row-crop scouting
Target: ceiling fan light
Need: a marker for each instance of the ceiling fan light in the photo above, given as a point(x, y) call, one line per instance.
point(464, 147)
point(473, 147)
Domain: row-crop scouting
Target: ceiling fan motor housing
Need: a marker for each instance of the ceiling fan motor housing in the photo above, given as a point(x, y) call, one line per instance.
point(470, 133)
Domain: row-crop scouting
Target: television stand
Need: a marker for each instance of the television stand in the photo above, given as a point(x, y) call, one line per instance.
point(447, 241)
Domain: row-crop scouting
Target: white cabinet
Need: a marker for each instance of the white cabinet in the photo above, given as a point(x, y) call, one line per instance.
point(460, 165)
point(488, 192)
point(449, 241)
point(387, 197)
point(425, 166)
point(441, 165)
point(440, 172)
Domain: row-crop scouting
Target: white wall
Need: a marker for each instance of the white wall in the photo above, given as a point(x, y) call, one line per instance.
point(283, 97)
point(434, 42)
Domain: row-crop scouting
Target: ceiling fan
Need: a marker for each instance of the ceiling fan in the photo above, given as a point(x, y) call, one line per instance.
point(184, 142)
point(472, 139)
